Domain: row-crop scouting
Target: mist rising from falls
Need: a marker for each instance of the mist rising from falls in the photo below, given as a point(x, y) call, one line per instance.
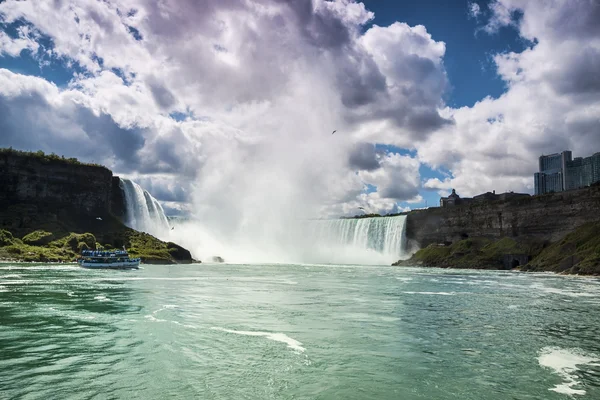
point(142, 211)
point(367, 241)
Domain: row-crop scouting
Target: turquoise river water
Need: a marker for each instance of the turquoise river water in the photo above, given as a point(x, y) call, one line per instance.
point(296, 332)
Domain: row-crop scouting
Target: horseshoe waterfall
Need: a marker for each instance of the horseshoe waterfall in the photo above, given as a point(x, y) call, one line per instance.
point(380, 240)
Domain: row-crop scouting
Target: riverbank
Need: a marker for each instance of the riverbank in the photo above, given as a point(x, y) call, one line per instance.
point(63, 241)
point(576, 253)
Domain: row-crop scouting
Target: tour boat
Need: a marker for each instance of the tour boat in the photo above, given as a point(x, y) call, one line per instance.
point(111, 259)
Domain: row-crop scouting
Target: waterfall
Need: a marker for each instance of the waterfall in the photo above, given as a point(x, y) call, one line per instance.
point(380, 240)
point(142, 211)
point(360, 241)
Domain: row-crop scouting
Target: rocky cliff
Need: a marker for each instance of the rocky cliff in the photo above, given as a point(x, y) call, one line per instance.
point(544, 218)
point(554, 232)
point(117, 202)
point(58, 200)
point(52, 182)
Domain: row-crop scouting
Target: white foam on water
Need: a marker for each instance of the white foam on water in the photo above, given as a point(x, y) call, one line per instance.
point(433, 293)
point(277, 337)
point(567, 292)
point(564, 362)
point(11, 276)
point(389, 319)
point(153, 318)
point(19, 282)
point(164, 307)
point(3, 289)
point(43, 267)
point(101, 298)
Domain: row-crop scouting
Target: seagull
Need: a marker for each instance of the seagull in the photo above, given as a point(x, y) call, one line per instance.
point(172, 227)
point(361, 208)
point(99, 219)
point(333, 132)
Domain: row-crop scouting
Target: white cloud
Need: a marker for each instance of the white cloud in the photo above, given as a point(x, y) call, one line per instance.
point(551, 104)
point(474, 10)
point(263, 101)
point(397, 178)
point(501, 16)
point(25, 40)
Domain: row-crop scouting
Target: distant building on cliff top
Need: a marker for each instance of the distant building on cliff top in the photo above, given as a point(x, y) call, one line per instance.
point(560, 172)
point(454, 199)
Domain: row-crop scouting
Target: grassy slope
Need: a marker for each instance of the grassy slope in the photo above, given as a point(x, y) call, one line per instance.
point(68, 247)
point(48, 237)
point(476, 253)
point(577, 253)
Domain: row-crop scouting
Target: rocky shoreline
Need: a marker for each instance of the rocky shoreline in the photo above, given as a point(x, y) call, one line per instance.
point(576, 253)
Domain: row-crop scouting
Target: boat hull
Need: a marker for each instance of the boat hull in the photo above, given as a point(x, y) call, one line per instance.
point(133, 264)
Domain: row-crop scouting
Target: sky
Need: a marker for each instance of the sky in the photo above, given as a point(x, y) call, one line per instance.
point(223, 109)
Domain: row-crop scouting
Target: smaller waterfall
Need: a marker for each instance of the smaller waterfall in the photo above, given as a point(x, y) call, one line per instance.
point(142, 211)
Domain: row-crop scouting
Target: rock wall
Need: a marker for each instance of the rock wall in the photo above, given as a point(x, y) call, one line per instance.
point(548, 217)
point(54, 184)
point(117, 204)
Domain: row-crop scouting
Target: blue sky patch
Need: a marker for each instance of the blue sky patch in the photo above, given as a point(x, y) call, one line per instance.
point(469, 51)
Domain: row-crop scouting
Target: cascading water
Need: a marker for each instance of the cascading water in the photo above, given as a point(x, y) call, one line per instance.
point(142, 211)
point(380, 240)
point(361, 241)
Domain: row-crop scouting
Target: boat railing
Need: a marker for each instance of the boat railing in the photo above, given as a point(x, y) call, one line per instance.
point(104, 253)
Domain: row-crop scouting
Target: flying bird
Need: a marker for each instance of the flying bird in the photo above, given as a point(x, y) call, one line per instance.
point(99, 219)
point(333, 132)
point(172, 227)
point(361, 208)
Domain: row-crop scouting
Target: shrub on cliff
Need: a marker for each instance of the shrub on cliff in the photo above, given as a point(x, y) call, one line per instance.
point(6, 238)
point(82, 246)
point(578, 252)
point(74, 240)
point(469, 253)
point(45, 158)
point(38, 238)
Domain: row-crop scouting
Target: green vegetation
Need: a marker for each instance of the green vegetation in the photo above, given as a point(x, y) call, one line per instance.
point(48, 237)
point(363, 216)
point(45, 158)
point(6, 238)
point(476, 253)
point(149, 249)
point(38, 238)
point(61, 250)
point(68, 247)
point(577, 253)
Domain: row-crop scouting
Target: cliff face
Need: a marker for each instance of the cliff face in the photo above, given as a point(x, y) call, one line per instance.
point(547, 217)
point(54, 184)
point(117, 206)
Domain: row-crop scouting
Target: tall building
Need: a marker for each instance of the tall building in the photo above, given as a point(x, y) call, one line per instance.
point(559, 172)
